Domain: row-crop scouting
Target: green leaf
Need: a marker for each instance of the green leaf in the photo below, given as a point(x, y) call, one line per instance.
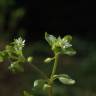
point(50, 38)
point(60, 75)
point(69, 51)
point(9, 50)
point(46, 87)
point(65, 79)
point(67, 38)
point(15, 66)
point(3, 56)
point(39, 83)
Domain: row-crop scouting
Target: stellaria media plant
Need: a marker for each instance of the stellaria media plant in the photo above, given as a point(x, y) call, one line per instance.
point(14, 53)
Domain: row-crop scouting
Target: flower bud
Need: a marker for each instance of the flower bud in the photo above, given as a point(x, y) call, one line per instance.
point(48, 60)
point(30, 59)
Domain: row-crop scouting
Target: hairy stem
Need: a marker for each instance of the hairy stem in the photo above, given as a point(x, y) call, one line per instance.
point(50, 93)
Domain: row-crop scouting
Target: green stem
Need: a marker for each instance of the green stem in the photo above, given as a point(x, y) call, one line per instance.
point(55, 66)
point(50, 93)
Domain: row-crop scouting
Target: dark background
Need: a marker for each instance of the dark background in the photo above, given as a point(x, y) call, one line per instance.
point(76, 18)
point(59, 17)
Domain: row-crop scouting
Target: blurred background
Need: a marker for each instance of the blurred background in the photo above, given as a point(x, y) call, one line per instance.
point(30, 19)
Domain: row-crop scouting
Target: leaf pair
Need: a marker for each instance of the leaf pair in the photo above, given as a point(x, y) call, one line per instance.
point(41, 84)
point(64, 79)
point(59, 45)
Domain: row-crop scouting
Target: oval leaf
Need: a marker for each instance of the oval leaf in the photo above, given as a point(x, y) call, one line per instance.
point(68, 38)
point(39, 83)
point(50, 38)
point(69, 51)
point(64, 78)
point(66, 81)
